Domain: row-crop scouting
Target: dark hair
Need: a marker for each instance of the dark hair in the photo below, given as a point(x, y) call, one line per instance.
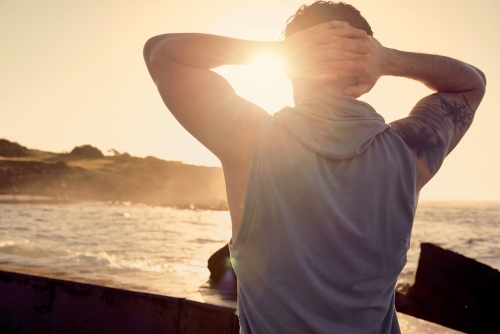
point(324, 11)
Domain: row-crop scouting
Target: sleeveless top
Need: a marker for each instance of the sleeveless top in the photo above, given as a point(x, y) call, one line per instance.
point(327, 221)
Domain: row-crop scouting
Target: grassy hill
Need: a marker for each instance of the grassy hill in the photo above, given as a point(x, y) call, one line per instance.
point(86, 174)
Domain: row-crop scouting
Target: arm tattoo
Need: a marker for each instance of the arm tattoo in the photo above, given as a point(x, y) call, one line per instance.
point(460, 113)
point(431, 128)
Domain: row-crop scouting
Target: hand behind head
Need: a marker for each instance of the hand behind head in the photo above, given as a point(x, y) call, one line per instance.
point(331, 56)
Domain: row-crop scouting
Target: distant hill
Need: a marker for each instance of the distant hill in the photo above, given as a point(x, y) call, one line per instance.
point(11, 149)
point(86, 174)
point(87, 151)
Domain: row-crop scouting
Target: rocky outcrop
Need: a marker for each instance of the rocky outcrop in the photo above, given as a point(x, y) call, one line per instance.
point(222, 275)
point(455, 291)
point(85, 174)
point(87, 151)
point(12, 150)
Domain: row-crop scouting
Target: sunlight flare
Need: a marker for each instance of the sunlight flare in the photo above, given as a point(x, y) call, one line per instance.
point(262, 82)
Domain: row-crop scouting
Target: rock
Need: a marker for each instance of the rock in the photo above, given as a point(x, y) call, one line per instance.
point(12, 150)
point(87, 151)
point(454, 291)
point(222, 273)
point(219, 262)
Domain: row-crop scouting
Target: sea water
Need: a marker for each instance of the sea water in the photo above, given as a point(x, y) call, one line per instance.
point(165, 250)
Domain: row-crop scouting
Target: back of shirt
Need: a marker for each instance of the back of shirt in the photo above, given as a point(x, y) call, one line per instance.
point(327, 221)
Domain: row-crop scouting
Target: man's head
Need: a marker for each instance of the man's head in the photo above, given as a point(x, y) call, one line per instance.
point(325, 11)
point(314, 14)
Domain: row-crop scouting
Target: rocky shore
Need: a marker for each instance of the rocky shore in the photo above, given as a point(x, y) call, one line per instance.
point(86, 173)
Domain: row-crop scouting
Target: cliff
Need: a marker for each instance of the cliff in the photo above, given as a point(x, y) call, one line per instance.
point(86, 174)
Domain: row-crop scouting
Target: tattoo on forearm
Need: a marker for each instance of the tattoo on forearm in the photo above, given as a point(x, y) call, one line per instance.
point(460, 113)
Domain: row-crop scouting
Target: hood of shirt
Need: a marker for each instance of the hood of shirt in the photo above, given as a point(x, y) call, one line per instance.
point(334, 126)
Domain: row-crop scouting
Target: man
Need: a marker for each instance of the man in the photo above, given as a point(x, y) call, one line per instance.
point(322, 196)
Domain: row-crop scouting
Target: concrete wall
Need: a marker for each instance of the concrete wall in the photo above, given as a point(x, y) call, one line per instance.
point(33, 304)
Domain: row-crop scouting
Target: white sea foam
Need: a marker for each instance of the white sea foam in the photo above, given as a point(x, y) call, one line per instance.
point(161, 249)
point(24, 248)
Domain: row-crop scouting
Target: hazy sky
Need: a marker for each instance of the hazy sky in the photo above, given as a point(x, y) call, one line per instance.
point(72, 73)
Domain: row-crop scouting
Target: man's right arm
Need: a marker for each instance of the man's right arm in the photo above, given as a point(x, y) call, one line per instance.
point(438, 122)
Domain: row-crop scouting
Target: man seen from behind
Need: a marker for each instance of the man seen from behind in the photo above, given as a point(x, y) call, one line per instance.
point(322, 196)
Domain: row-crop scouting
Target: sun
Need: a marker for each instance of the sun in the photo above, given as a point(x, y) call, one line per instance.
point(261, 82)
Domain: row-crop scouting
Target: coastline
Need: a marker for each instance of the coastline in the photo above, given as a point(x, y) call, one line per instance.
point(40, 199)
point(86, 173)
point(168, 275)
point(28, 199)
point(8, 198)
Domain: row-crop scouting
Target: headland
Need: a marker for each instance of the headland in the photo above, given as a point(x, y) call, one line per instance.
point(85, 173)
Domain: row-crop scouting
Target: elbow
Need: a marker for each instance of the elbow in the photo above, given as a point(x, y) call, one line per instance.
point(482, 85)
point(477, 94)
point(149, 49)
point(149, 53)
point(478, 82)
point(156, 49)
point(481, 78)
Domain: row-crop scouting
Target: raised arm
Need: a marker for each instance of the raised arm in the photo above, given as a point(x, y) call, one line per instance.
point(204, 102)
point(201, 100)
point(438, 122)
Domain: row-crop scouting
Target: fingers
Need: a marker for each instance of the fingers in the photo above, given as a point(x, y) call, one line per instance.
point(341, 65)
point(339, 59)
point(332, 49)
point(330, 25)
point(324, 78)
point(326, 55)
point(345, 44)
point(327, 36)
point(346, 39)
point(357, 91)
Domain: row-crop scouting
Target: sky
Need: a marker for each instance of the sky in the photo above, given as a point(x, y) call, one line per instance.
point(72, 73)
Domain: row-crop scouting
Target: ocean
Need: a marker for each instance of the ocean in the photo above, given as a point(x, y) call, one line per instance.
point(165, 250)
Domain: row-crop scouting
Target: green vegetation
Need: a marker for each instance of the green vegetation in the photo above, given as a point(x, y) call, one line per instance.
point(86, 174)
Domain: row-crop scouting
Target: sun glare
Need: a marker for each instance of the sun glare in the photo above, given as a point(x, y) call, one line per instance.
point(261, 82)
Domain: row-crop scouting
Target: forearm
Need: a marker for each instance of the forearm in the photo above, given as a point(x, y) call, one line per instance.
point(204, 51)
point(441, 74)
